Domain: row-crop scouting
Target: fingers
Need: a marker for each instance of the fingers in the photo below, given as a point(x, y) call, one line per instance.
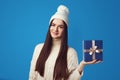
point(98, 61)
point(92, 62)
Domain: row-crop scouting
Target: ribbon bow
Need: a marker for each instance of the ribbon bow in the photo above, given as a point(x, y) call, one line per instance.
point(93, 50)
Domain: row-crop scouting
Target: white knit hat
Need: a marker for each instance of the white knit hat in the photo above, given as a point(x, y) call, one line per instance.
point(62, 13)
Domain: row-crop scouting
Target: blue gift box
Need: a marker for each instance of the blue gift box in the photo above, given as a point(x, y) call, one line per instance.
point(92, 49)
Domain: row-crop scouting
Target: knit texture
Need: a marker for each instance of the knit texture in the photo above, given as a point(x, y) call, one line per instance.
point(62, 13)
point(50, 63)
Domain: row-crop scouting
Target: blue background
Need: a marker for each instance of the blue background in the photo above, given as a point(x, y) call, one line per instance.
point(24, 23)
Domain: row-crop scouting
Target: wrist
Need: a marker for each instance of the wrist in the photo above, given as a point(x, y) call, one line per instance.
point(81, 67)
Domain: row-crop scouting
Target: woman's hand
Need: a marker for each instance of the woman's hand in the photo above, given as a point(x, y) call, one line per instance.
point(90, 62)
point(83, 63)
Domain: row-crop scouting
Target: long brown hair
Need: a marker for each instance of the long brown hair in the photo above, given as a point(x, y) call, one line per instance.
point(60, 69)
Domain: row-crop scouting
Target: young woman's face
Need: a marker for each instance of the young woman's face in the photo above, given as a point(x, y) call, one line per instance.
point(56, 28)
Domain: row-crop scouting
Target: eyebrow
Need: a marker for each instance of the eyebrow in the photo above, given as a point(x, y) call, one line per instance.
point(58, 25)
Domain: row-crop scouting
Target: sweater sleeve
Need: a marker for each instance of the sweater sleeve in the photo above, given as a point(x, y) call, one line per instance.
point(33, 74)
point(73, 65)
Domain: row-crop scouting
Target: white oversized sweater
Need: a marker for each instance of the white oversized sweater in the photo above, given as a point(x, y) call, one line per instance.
point(50, 63)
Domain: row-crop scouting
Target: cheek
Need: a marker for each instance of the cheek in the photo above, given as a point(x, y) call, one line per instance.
point(61, 31)
point(51, 29)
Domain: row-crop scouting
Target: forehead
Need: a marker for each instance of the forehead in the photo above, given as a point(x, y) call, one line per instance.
point(58, 21)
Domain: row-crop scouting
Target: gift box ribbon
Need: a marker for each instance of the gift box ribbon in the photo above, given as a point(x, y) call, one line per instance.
point(93, 50)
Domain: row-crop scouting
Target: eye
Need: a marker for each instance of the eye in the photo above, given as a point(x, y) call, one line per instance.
point(52, 24)
point(61, 26)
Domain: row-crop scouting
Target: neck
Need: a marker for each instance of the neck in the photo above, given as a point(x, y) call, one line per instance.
point(56, 42)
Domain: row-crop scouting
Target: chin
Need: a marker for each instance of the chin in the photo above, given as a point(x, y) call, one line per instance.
point(56, 37)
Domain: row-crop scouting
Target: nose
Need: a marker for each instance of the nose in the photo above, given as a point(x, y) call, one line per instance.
point(56, 28)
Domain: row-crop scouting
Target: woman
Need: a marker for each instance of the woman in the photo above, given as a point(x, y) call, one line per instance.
point(54, 59)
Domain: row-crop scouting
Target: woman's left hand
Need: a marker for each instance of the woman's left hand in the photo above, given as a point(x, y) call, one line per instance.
point(83, 63)
point(90, 62)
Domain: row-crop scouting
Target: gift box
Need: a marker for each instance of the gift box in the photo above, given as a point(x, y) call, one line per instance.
point(92, 49)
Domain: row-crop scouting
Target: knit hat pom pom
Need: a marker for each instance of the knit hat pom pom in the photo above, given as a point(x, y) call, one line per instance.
point(63, 8)
point(62, 13)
